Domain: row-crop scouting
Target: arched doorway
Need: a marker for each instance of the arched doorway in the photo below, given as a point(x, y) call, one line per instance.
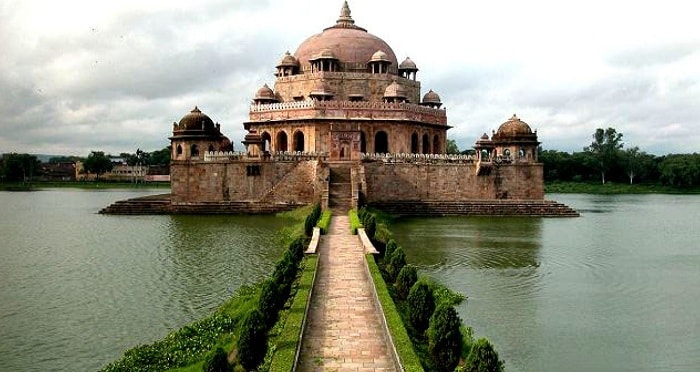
point(426, 144)
point(299, 141)
point(267, 139)
point(381, 142)
point(414, 143)
point(437, 148)
point(363, 143)
point(194, 151)
point(281, 141)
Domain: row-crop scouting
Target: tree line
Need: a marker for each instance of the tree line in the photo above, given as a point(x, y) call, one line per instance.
point(15, 167)
point(606, 160)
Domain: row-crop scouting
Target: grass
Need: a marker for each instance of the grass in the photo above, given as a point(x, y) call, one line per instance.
point(614, 188)
point(402, 342)
point(289, 338)
point(325, 221)
point(354, 221)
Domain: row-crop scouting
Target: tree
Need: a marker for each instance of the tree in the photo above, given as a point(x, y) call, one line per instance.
point(408, 276)
point(421, 305)
point(445, 338)
point(451, 147)
point(98, 163)
point(19, 167)
point(483, 358)
point(160, 157)
point(216, 361)
point(396, 262)
point(605, 149)
point(252, 342)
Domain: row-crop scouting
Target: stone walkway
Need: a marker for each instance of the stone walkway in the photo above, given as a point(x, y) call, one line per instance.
point(344, 331)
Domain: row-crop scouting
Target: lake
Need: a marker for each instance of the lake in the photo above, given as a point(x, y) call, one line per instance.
point(79, 288)
point(617, 289)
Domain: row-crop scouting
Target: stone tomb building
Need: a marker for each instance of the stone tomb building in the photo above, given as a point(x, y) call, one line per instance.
point(345, 123)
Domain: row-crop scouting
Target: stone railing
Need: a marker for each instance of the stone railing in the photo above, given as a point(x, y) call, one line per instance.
point(347, 109)
point(419, 158)
point(274, 156)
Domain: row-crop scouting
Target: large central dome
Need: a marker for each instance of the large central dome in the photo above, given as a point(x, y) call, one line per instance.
point(351, 45)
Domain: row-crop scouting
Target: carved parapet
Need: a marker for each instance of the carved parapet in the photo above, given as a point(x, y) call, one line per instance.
point(419, 158)
point(312, 109)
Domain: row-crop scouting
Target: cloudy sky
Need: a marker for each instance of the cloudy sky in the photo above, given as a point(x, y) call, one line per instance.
point(77, 76)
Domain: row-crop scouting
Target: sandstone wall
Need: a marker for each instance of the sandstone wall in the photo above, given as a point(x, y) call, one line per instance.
point(393, 182)
point(237, 181)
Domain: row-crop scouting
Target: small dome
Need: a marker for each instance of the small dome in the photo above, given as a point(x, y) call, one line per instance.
point(514, 127)
point(321, 88)
point(395, 90)
point(196, 120)
point(431, 97)
point(265, 93)
point(380, 56)
point(323, 54)
point(408, 64)
point(288, 60)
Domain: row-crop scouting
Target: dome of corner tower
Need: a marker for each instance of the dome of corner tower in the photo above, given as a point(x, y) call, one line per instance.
point(513, 127)
point(196, 120)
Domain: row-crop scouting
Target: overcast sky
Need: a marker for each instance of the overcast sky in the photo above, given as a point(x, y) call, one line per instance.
point(77, 76)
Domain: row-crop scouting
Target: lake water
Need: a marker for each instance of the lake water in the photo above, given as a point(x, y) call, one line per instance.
point(617, 289)
point(79, 288)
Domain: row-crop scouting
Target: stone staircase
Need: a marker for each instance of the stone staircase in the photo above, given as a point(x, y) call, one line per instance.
point(340, 189)
point(153, 204)
point(533, 208)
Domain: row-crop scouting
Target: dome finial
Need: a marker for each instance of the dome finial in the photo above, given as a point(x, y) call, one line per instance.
point(345, 18)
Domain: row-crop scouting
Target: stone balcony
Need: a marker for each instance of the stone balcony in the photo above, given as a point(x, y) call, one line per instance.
point(364, 110)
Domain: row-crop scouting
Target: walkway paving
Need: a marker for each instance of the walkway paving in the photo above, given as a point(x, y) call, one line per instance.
point(344, 331)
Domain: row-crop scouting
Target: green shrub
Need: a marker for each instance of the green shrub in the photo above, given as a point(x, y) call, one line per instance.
point(408, 276)
point(252, 341)
point(309, 224)
point(270, 302)
point(483, 358)
point(285, 272)
point(389, 250)
point(325, 221)
point(363, 214)
point(370, 226)
point(396, 263)
point(354, 221)
point(420, 306)
point(216, 361)
point(297, 248)
point(445, 338)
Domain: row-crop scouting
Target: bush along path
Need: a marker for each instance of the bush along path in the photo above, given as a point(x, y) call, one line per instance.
point(439, 338)
point(242, 334)
point(344, 330)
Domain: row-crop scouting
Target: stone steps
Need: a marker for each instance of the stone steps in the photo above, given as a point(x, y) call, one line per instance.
point(161, 204)
point(156, 204)
point(535, 208)
point(340, 190)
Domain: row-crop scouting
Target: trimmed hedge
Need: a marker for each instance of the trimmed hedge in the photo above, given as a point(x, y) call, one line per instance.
point(402, 342)
point(355, 222)
point(324, 222)
point(287, 341)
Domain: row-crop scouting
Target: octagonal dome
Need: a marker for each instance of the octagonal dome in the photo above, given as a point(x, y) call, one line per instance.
point(408, 64)
point(349, 43)
point(288, 61)
point(196, 120)
point(431, 97)
point(513, 127)
point(265, 93)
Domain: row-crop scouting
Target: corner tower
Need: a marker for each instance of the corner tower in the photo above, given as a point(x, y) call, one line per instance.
point(344, 93)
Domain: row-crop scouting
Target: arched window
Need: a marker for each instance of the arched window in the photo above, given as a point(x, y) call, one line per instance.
point(381, 142)
point(521, 153)
point(363, 142)
point(194, 151)
point(414, 143)
point(484, 155)
point(299, 141)
point(211, 148)
point(266, 141)
point(281, 142)
point(178, 150)
point(506, 152)
point(426, 144)
point(437, 147)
